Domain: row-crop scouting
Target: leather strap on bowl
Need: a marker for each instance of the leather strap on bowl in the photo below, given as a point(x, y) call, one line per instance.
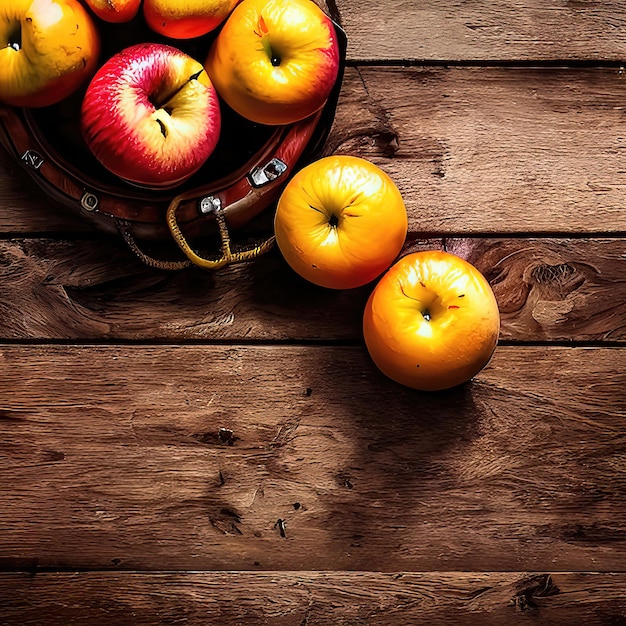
point(250, 196)
point(231, 206)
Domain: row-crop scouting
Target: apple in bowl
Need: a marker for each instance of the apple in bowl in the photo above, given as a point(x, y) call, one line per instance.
point(432, 321)
point(151, 116)
point(275, 62)
point(186, 19)
point(114, 11)
point(48, 49)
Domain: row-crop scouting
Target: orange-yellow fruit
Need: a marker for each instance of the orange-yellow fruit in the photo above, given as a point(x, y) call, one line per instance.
point(432, 321)
point(340, 222)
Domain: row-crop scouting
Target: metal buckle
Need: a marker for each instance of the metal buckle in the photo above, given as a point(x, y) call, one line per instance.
point(264, 174)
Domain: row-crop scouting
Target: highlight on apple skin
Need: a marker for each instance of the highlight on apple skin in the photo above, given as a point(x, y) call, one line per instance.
point(151, 115)
point(275, 62)
point(186, 19)
point(48, 49)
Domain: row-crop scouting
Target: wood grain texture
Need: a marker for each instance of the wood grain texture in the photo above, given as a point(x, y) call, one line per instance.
point(25, 207)
point(494, 150)
point(312, 598)
point(473, 150)
point(457, 30)
point(307, 458)
point(547, 290)
point(218, 449)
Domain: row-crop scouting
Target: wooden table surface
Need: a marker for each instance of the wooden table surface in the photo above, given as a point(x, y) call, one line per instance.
point(217, 448)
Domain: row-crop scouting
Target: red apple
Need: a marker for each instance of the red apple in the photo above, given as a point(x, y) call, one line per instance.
point(185, 19)
point(151, 116)
point(48, 49)
point(115, 11)
point(275, 61)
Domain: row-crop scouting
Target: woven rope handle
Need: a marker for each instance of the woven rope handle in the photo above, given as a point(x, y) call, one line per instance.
point(227, 255)
point(124, 228)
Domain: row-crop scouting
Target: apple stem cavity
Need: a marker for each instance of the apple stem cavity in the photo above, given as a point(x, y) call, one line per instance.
point(162, 103)
point(163, 128)
point(274, 58)
point(272, 55)
point(262, 32)
point(15, 38)
point(423, 308)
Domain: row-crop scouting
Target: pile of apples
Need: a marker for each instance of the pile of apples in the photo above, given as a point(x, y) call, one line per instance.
point(151, 112)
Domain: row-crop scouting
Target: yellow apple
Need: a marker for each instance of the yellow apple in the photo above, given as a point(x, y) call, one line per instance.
point(275, 61)
point(432, 321)
point(186, 19)
point(340, 222)
point(48, 48)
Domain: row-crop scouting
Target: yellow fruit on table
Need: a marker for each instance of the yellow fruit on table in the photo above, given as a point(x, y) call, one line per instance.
point(340, 222)
point(432, 321)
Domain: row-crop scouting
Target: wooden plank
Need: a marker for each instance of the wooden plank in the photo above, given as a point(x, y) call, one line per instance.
point(493, 150)
point(307, 458)
point(309, 598)
point(547, 290)
point(473, 150)
point(453, 30)
point(26, 209)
